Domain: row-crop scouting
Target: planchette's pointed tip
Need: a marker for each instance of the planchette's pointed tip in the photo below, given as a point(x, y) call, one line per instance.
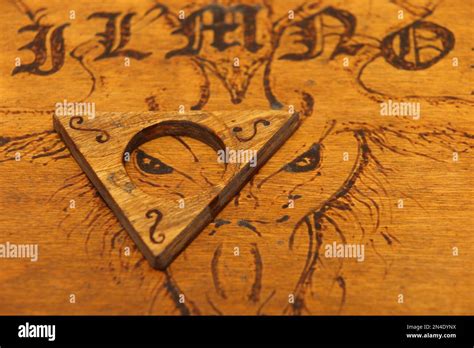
point(243, 141)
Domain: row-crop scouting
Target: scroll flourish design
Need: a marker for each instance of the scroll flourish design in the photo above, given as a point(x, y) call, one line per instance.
point(159, 217)
point(236, 130)
point(103, 137)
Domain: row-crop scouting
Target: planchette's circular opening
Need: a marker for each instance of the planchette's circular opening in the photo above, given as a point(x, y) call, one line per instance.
point(175, 159)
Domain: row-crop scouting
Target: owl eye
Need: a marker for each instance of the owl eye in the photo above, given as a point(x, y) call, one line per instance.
point(307, 161)
point(152, 165)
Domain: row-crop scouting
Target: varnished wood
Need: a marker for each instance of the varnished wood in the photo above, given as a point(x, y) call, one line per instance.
point(172, 227)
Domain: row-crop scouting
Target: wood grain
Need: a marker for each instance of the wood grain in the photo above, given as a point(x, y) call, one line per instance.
point(339, 178)
point(174, 226)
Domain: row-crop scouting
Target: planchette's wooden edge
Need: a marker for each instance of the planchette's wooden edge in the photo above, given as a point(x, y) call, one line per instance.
point(160, 260)
point(104, 193)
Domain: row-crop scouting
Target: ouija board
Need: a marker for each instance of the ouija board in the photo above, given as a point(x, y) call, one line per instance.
point(366, 208)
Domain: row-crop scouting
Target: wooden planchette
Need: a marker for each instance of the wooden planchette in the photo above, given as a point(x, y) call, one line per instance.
point(159, 228)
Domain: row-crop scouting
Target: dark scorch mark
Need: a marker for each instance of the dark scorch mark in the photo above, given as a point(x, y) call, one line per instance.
point(215, 272)
point(254, 295)
point(236, 130)
point(218, 223)
point(247, 224)
point(76, 121)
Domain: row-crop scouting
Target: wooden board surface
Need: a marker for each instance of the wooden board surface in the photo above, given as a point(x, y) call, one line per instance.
point(353, 173)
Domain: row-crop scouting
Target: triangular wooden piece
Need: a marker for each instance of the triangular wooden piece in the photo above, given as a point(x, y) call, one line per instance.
point(161, 230)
